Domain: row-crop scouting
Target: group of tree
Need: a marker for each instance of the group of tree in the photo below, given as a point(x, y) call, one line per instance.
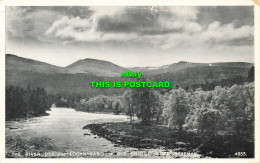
point(66, 99)
point(101, 103)
point(21, 103)
point(143, 103)
point(209, 86)
point(222, 110)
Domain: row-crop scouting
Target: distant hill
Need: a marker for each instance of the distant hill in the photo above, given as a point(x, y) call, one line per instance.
point(75, 78)
point(175, 67)
point(86, 66)
point(96, 67)
point(13, 62)
point(182, 65)
point(199, 75)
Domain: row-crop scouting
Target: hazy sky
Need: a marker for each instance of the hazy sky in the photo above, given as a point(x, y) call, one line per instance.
point(131, 36)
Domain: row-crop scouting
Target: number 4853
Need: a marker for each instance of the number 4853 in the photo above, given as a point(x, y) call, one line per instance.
point(240, 154)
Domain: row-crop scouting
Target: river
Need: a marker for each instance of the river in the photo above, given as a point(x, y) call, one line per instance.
point(60, 134)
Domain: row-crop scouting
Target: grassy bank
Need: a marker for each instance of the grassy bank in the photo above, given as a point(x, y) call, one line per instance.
point(18, 147)
point(155, 136)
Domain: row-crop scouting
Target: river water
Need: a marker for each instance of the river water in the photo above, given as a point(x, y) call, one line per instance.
point(61, 135)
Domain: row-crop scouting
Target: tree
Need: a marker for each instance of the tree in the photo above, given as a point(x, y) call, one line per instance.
point(157, 101)
point(207, 120)
point(144, 102)
point(128, 104)
point(141, 100)
point(25, 103)
point(117, 106)
point(176, 108)
point(251, 74)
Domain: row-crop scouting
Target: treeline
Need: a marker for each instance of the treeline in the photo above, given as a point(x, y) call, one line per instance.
point(101, 103)
point(220, 111)
point(66, 99)
point(25, 103)
point(209, 86)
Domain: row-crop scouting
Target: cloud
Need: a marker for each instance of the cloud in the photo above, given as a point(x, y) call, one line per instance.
point(125, 23)
point(238, 15)
point(227, 32)
point(13, 14)
point(214, 35)
point(78, 11)
point(149, 20)
point(82, 30)
point(27, 23)
point(140, 35)
point(152, 27)
point(190, 13)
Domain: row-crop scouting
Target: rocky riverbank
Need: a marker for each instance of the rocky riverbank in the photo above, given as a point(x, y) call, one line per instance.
point(147, 137)
point(161, 137)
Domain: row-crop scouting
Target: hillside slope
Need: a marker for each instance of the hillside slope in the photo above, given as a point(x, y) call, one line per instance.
point(76, 77)
point(96, 67)
point(13, 62)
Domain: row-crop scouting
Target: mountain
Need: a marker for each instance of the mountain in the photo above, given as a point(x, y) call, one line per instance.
point(232, 64)
point(96, 67)
point(76, 77)
point(108, 69)
point(86, 66)
point(182, 65)
point(175, 67)
point(166, 68)
point(13, 62)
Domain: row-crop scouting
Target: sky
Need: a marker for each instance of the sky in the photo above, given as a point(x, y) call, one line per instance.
point(131, 36)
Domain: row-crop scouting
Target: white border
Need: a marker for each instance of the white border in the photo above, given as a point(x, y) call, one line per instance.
point(4, 3)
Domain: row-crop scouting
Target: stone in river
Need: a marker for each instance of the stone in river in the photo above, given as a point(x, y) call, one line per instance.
point(13, 128)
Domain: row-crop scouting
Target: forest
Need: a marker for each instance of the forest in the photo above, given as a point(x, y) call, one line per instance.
point(223, 110)
point(215, 123)
point(26, 103)
point(208, 120)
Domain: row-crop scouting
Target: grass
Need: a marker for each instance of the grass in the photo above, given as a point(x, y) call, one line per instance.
point(17, 146)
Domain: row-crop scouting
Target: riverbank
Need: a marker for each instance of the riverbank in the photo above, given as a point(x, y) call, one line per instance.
point(18, 119)
point(161, 137)
point(138, 136)
point(20, 147)
point(59, 135)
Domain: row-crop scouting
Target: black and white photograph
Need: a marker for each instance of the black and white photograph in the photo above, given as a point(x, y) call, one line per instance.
point(150, 82)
